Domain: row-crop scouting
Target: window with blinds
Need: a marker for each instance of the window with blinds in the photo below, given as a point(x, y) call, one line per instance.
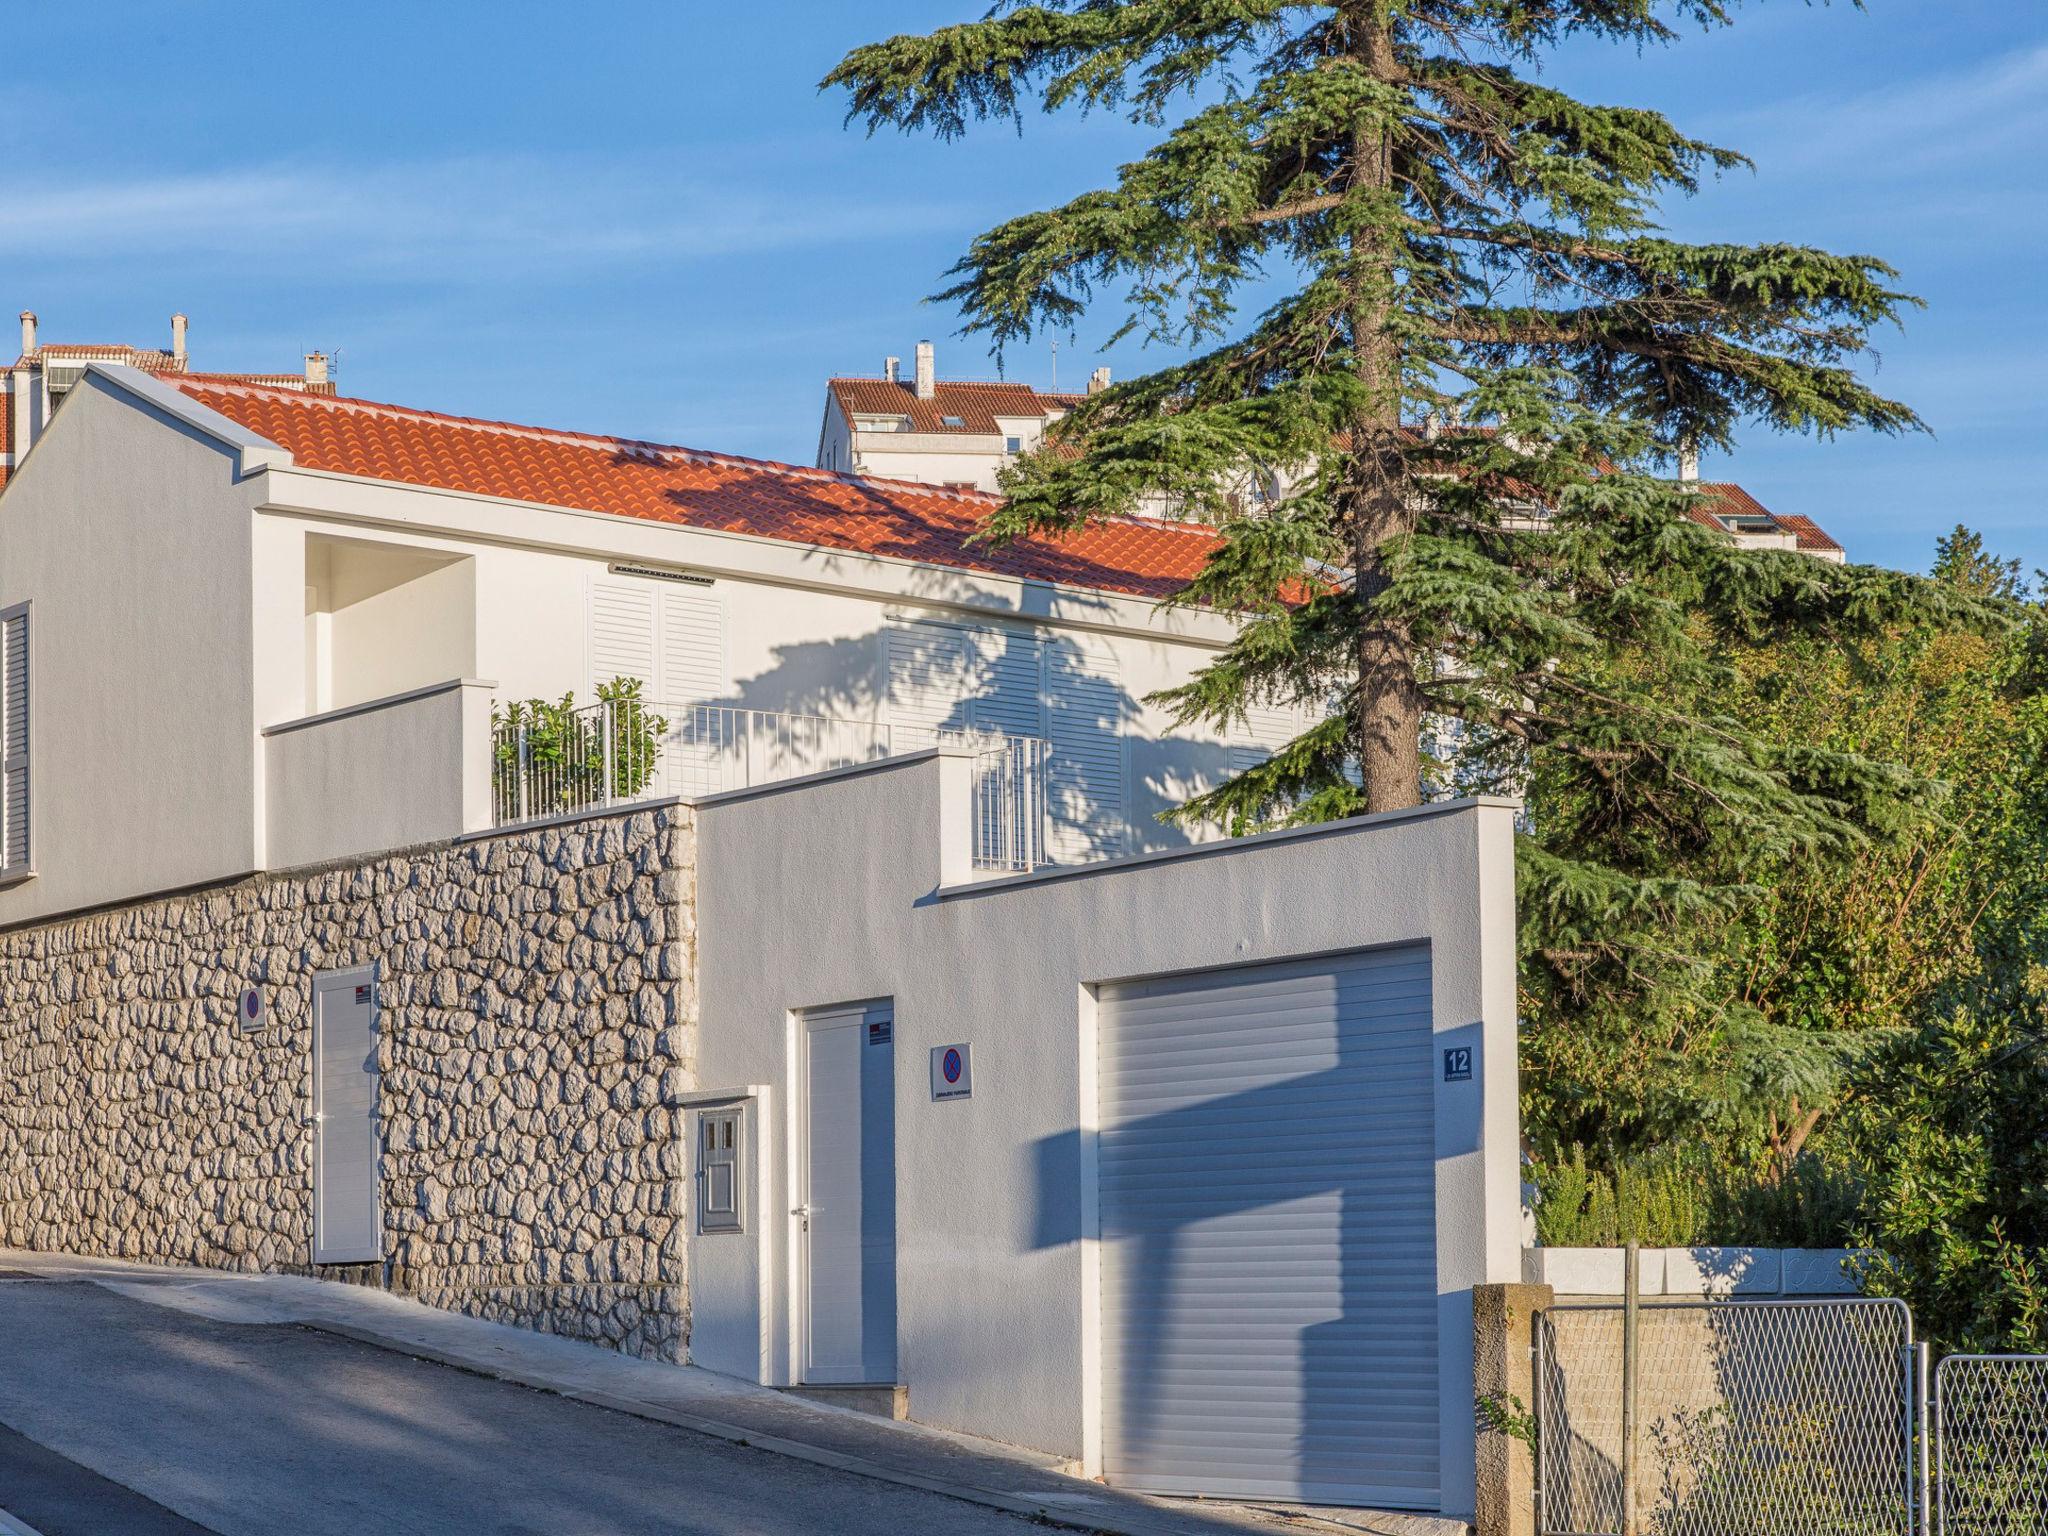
point(15, 847)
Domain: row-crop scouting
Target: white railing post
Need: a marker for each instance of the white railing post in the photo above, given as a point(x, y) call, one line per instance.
point(524, 768)
point(604, 723)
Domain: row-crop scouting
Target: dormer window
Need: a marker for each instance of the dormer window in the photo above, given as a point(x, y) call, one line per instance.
point(1013, 445)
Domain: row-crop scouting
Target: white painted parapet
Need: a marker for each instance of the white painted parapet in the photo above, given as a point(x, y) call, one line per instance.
point(389, 773)
point(1694, 1273)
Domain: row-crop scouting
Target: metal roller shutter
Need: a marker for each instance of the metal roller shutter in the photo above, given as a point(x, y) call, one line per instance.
point(1268, 1208)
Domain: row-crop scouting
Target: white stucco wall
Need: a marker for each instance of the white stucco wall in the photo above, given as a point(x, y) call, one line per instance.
point(856, 886)
point(412, 768)
point(803, 628)
point(128, 533)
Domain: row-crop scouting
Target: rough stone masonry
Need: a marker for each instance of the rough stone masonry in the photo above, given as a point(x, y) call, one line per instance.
point(536, 1012)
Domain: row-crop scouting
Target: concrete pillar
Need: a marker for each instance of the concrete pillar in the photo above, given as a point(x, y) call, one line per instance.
point(1504, 1372)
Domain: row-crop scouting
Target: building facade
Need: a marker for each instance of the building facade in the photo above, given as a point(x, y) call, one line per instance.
point(44, 372)
point(769, 1051)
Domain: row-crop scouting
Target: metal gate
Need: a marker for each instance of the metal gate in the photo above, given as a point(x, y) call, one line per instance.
point(1793, 1418)
point(1991, 1445)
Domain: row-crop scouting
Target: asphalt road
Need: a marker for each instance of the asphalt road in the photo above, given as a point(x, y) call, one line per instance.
point(117, 1417)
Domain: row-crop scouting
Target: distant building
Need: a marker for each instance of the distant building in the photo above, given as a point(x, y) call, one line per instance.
point(39, 378)
point(935, 431)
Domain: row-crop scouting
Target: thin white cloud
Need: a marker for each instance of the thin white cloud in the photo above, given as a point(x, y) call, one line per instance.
point(449, 219)
point(1915, 127)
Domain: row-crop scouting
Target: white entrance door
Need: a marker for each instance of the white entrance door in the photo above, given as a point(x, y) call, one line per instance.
point(847, 1196)
point(1267, 1167)
point(345, 1206)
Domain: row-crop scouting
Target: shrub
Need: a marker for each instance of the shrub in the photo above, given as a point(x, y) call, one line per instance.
point(1686, 1197)
point(567, 751)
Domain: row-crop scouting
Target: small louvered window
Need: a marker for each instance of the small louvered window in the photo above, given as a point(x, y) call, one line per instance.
point(721, 1145)
point(15, 847)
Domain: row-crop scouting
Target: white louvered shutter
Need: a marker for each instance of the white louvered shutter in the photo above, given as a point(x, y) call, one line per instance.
point(1010, 694)
point(930, 668)
point(692, 646)
point(701, 751)
point(1266, 729)
point(946, 678)
point(1267, 1198)
point(15, 845)
point(1084, 710)
point(622, 634)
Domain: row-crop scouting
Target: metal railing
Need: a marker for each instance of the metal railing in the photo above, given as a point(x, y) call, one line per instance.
point(552, 761)
point(1793, 1418)
point(1009, 805)
point(1991, 1445)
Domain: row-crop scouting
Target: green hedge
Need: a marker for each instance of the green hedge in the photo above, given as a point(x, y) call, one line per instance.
point(1684, 1198)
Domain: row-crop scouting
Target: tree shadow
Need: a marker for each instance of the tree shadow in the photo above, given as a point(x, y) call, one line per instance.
point(1273, 1214)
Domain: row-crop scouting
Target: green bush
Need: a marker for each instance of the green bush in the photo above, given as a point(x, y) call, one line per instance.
point(1685, 1198)
point(567, 751)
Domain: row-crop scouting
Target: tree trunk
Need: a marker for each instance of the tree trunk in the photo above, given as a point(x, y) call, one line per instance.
point(1387, 713)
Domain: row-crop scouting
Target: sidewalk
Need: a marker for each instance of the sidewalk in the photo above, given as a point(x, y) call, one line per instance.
point(979, 1471)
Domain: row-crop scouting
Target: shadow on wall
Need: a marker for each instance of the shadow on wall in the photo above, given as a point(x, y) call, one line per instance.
point(1276, 1216)
point(1105, 785)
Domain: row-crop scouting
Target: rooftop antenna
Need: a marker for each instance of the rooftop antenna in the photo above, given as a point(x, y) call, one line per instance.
point(1055, 365)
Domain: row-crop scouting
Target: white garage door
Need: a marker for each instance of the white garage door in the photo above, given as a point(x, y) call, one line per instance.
point(1268, 1224)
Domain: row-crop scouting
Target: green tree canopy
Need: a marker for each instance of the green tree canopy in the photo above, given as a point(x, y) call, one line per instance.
point(1485, 358)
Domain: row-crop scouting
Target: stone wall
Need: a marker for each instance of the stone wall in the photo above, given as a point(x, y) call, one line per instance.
point(536, 1013)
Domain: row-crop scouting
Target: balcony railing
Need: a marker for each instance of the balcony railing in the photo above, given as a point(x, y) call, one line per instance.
point(623, 750)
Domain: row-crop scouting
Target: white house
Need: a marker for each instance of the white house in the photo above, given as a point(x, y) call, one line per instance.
point(935, 431)
point(870, 1036)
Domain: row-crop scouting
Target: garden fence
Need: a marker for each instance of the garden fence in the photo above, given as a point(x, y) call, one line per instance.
point(1780, 1418)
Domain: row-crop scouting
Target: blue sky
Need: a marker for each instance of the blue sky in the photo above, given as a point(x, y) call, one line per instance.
point(644, 219)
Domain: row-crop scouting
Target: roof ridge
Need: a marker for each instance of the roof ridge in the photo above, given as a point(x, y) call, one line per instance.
point(287, 394)
point(566, 436)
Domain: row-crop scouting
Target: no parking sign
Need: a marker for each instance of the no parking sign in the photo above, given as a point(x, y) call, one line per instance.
point(952, 1072)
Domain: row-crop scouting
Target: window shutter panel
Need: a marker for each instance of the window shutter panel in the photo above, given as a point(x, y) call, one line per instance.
point(14, 707)
point(692, 647)
point(622, 634)
point(1084, 723)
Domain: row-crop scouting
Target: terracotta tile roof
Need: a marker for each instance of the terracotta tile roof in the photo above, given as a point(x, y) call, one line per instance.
point(1721, 498)
point(975, 406)
point(146, 358)
point(662, 483)
point(1810, 534)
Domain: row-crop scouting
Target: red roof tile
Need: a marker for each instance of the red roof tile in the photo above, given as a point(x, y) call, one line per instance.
point(975, 406)
point(1810, 534)
point(662, 483)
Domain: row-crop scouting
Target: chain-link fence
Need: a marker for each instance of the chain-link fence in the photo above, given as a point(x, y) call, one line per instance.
point(1793, 1418)
point(1991, 1445)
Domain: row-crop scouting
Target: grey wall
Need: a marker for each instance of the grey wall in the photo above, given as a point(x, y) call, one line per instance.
point(847, 888)
point(129, 533)
point(411, 769)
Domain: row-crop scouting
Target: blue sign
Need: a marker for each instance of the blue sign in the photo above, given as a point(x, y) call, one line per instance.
point(1457, 1063)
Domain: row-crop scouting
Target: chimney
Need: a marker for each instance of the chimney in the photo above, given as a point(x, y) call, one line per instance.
point(316, 367)
point(28, 331)
point(1688, 461)
point(927, 380)
point(891, 367)
point(178, 342)
point(1098, 381)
